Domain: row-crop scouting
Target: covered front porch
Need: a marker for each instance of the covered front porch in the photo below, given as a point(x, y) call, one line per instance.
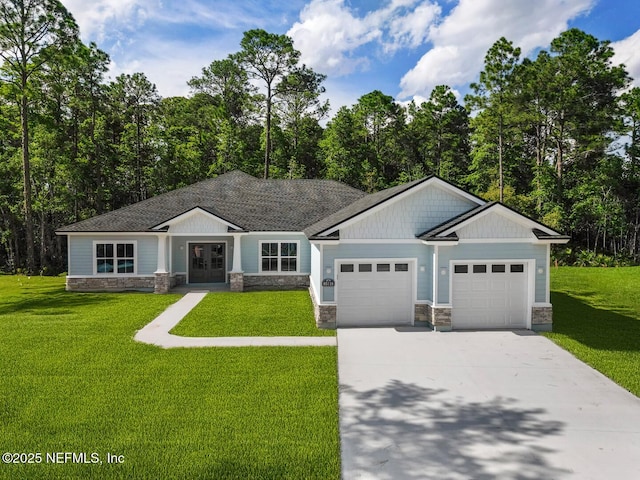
point(199, 260)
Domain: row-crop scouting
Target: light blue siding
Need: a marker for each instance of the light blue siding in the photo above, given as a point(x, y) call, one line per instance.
point(495, 251)
point(180, 251)
point(251, 251)
point(354, 251)
point(147, 255)
point(81, 254)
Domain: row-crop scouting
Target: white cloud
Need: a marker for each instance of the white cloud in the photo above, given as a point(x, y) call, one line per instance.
point(413, 29)
point(627, 51)
point(329, 34)
point(169, 64)
point(97, 17)
point(145, 36)
point(462, 39)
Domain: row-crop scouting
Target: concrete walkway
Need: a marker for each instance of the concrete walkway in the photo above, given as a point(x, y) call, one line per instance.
point(157, 332)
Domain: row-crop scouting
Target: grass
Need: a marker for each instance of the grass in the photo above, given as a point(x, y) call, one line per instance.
point(73, 380)
point(596, 316)
point(272, 313)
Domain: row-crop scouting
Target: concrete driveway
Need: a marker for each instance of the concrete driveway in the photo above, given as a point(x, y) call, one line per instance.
point(479, 405)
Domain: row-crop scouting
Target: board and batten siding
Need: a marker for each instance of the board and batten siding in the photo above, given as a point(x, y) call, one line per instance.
point(199, 222)
point(497, 251)
point(353, 251)
point(251, 251)
point(410, 216)
point(81, 256)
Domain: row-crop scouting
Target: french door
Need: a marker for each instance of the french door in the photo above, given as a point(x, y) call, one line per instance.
point(207, 263)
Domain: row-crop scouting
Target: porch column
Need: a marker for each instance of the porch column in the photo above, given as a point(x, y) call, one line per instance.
point(236, 274)
point(162, 280)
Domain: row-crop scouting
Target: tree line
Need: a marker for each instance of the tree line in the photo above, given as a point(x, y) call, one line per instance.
point(556, 137)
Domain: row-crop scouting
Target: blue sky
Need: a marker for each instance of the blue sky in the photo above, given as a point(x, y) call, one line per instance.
point(402, 47)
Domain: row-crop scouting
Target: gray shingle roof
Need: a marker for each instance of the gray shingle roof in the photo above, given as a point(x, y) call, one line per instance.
point(248, 202)
point(359, 206)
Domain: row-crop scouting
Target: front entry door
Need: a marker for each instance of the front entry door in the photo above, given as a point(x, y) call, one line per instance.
point(207, 263)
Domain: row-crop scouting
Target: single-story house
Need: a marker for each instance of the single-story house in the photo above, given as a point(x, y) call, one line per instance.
point(425, 251)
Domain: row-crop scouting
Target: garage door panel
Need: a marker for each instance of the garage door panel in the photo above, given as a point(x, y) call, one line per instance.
point(382, 296)
point(495, 299)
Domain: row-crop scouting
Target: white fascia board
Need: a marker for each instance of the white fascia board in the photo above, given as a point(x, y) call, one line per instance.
point(192, 212)
point(442, 243)
point(416, 188)
point(533, 240)
point(557, 241)
point(260, 233)
point(380, 241)
point(505, 212)
point(113, 234)
point(324, 242)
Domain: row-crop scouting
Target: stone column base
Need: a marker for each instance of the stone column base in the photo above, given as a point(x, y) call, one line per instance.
point(541, 319)
point(162, 283)
point(325, 315)
point(236, 281)
point(421, 315)
point(439, 318)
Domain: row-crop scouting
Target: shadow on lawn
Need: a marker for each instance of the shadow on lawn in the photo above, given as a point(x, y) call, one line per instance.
point(408, 431)
point(594, 327)
point(55, 301)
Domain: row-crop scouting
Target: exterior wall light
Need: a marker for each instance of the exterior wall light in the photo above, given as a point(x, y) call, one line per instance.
point(443, 271)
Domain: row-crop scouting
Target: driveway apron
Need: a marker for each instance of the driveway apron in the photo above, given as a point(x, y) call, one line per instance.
point(416, 404)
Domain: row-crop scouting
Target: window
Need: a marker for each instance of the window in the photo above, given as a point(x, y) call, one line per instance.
point(278, 256)
point(402, 267)
point(498, 268)
point(383, 267)
point(365, 267)
point(479, 269)
point(289, 257)
point(461, 269)
point(517, 268)
point(346, 268)
point(269, 254)
point(115, 257)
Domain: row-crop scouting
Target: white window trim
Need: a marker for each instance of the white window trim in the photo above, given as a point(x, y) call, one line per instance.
point(115, 258)
point(279, 271)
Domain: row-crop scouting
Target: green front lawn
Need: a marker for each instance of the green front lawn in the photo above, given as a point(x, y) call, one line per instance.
point(272, 313)
point(596, 316)
point(72, 379)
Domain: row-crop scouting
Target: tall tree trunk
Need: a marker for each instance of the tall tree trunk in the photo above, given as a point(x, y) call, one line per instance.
point(267, 135)
point(500, 162)
point(26, 178)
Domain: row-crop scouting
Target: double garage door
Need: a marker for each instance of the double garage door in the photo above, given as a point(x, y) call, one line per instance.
point(375, 293)
point(484, 295)
point(489, 295)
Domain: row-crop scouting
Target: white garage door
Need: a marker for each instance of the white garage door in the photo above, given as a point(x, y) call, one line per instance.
point(489, 295)
point(374, 293)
